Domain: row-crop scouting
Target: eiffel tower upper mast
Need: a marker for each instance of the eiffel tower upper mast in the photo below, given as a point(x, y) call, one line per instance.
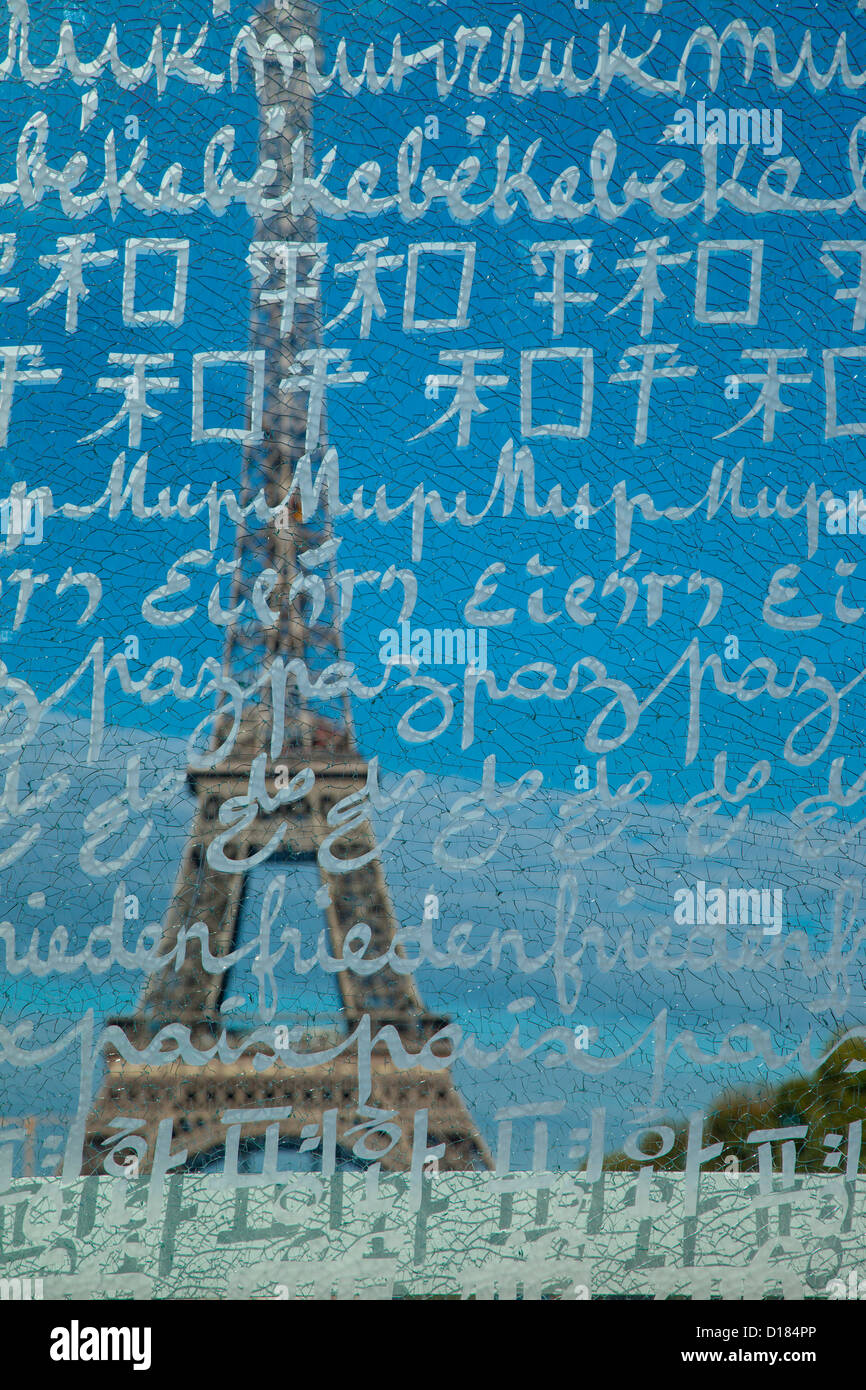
point(188, 994)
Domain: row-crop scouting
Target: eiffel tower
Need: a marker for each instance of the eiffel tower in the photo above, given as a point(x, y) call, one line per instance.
point(320, 1096)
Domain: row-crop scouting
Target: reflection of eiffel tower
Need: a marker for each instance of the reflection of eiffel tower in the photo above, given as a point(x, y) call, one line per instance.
point(196, 1097)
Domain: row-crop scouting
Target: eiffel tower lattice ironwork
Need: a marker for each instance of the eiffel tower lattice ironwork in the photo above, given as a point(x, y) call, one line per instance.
point(278, 565)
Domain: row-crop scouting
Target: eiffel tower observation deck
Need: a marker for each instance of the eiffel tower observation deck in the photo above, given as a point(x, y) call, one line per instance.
point(286, 1106)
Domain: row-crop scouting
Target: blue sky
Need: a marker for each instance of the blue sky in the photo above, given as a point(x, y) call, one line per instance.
point(372, 427)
